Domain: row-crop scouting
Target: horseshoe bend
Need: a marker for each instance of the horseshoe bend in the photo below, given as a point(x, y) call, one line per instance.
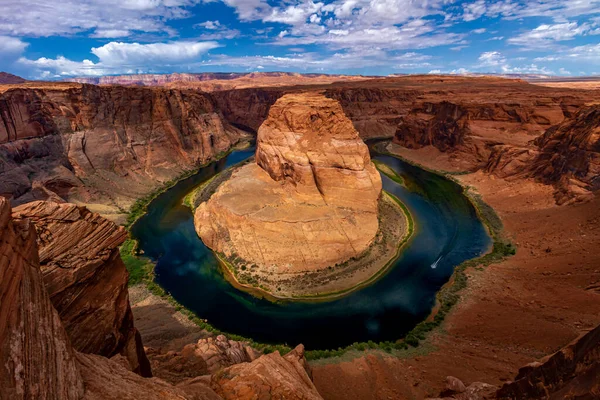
point(304, 218)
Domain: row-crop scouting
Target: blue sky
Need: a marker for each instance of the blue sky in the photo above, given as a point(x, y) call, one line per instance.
point(56, 39)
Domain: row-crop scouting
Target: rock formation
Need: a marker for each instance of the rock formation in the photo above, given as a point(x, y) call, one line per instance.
point(36, 359)
point(445, 129)
point(103, 145)
point(205, 357)
point(571, 373)
point(86, 279)
point(271, 377)
point(309, 201)
point(569, 155)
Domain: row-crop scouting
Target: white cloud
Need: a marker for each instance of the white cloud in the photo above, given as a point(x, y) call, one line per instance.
point(118, 57)
point(61, 66)
point(479, 31)
point(560, 10)
point(545, 35)
point(435, 72)
point(491, 59)
point(210, 25)
point(104, 18)
point(136, 54)
point(214, 30)
point(11, 45)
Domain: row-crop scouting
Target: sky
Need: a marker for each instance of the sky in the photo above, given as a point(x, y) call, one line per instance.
point(50, 39)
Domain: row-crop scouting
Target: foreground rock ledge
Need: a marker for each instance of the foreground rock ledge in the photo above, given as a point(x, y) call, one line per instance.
point(309, 202)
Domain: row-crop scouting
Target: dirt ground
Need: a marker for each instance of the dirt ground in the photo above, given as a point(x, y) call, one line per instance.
point(511, 313)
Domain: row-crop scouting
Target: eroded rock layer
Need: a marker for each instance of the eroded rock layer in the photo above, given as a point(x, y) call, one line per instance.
point(36, 359)
point(309, 202)
point(86, 279)
point(103, 145)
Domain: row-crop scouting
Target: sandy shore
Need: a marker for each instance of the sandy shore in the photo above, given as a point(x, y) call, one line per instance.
point(510, 314)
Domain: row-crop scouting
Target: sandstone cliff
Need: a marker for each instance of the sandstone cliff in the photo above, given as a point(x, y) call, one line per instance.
point(571, 373)
point(309, 202)
point(103, 145)
point(86, 279)
point(569, 155)
point(36, 359)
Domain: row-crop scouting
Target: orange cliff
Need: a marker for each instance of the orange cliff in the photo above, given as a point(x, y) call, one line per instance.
point(103, 146)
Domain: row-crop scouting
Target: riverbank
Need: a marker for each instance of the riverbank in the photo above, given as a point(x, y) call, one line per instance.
point(509, 313)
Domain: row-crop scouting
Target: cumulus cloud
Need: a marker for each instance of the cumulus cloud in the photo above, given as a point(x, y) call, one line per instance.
point(11, 45)
point(119, 57)
point(214, 30)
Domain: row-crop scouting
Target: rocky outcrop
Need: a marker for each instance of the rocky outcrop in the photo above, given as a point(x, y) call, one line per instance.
point(271, 376)
point(205, 357)
point(571, 373)
point(309, 202)
point(444, 126)
point(103, 145)
point(569, 155)
point(86, 279)
point(36, 359)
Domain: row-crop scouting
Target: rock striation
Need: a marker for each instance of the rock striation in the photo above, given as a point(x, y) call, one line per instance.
point(311, 199)
point(205, 357)
point(36, 359)
point(571, 373)
point(103, 145)
point(445, 127)
point(269, 377)
point(86, 279)
point(569, 156)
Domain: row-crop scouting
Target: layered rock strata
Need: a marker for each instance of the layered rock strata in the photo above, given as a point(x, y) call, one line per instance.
point(571, 373)
point(269, 377)
point(38, 361)
point(36, 358)
point(86, 279)
point(103, 145)
point(310, 201)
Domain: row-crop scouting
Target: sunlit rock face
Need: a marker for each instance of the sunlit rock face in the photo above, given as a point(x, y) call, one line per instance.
point(309, 201)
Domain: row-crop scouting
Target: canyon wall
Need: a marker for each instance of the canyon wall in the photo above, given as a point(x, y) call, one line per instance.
point(103, 145)
point(58, 355)
point(86, 279)
point(36, 359)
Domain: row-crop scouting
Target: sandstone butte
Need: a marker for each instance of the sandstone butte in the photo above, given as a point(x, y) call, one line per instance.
point(310, 199)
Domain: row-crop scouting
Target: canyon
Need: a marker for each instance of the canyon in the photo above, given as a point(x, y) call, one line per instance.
point(530, 151)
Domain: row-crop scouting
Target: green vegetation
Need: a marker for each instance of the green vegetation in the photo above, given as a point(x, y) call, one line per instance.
point(140, 269)
point(389, 172)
